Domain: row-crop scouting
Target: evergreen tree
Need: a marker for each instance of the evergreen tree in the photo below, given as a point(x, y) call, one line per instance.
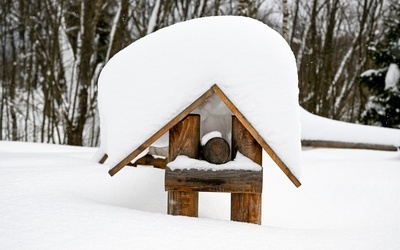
point(383, 107)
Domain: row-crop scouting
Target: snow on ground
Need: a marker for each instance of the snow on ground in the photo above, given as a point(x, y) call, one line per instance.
point(53, 197)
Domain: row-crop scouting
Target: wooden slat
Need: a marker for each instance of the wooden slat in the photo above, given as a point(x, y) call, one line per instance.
point(230, 181)
point(184, 138)
point(244, 142)
point(159, 133)
point(255, 134)
point(339, 144)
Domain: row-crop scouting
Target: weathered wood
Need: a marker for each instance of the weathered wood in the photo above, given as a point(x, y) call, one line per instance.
point(255, 134)
point(184, 203)
point(244, 142)
point(216, 151)
point(245, 207)
point(150, 161)
point(230, 181)
point(160, 132)
point(338, 144)
point(184, 139)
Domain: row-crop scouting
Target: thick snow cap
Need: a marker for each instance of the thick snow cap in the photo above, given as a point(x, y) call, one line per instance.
point(150, 82)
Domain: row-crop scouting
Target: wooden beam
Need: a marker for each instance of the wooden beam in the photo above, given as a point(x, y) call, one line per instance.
point(255, 134)
point(339, 144)
point(159, 133)
point(229, 181)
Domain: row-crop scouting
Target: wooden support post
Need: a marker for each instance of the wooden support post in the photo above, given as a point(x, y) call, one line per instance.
point(184, 139)
point(245, 207)
point(185, 203)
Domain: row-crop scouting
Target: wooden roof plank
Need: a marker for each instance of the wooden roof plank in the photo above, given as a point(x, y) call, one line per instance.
point(160, 132)
point(255, 134)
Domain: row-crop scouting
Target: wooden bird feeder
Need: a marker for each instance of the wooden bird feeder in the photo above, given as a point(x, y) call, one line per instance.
point(184, 185)
point(163, 84)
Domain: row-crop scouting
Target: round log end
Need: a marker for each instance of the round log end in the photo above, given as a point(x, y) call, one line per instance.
point(216, 151)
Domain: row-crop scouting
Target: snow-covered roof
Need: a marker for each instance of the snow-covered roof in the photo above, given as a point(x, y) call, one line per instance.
point(150, 82)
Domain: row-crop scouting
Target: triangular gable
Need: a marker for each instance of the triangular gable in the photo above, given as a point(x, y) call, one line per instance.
point(214, 89)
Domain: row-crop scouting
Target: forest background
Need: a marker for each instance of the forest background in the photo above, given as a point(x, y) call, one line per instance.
point(52, 51)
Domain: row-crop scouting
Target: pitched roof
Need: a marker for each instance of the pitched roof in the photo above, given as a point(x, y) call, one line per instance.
point(150, 84)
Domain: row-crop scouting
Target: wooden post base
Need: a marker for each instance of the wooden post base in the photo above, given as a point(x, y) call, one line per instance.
point(185, 203)
point(246, 208)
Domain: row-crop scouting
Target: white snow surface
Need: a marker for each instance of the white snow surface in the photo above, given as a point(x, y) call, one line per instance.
point(54, 197)
point(148, 83)
point(241, 162)
point(209, 136)
point(315, 127)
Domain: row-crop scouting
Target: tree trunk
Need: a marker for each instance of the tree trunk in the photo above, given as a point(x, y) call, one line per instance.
point(285, 20)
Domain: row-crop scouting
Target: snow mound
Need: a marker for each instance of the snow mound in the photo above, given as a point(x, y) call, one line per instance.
point(320, 128)
point(148, 83)
point(209, 136)
point(241, 162)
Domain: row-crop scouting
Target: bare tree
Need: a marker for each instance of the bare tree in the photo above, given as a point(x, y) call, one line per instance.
point(52, 52)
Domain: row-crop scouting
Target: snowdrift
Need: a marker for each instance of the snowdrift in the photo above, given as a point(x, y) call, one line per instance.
point(52, 199)
point(319, 128)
